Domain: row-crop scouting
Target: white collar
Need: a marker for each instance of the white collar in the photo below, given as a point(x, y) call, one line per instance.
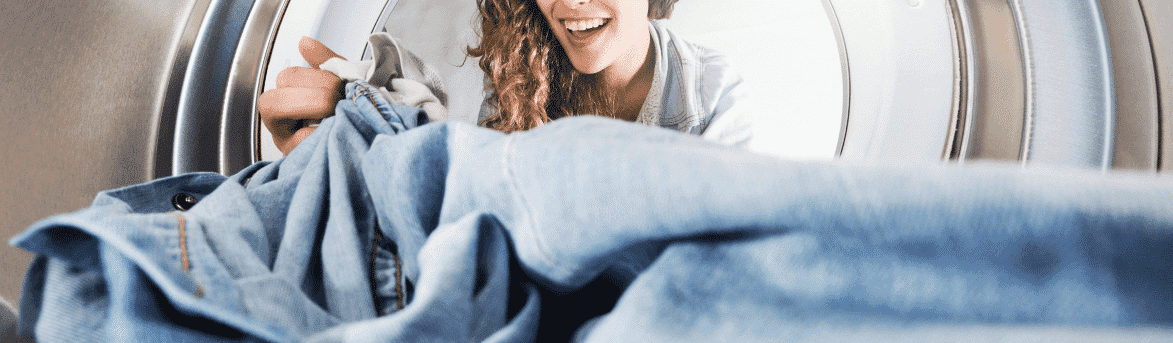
point(649, 113)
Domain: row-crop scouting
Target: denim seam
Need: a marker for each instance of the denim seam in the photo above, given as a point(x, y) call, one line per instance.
point(372, 278)
point(400, 301)
point(544, 251)
point(183, 254)
point(365, 91)
point(183, 243)
point(359, 92)
point(367, 94)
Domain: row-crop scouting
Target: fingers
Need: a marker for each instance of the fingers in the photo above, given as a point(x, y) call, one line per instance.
point(314, 52)
point(294, 103)
point(301, 96)
point(308, 78)
point(287, 144)
point(286, 112)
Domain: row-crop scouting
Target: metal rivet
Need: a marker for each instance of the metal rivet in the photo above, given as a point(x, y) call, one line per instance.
point(183, 201)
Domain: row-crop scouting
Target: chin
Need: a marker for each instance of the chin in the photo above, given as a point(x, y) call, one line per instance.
point(588, 71)
point(587, 67)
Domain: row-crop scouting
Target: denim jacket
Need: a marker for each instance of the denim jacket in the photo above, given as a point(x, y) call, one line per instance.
point(694, 88)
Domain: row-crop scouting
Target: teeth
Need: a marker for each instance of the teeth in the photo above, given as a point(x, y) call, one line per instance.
point(583, 24)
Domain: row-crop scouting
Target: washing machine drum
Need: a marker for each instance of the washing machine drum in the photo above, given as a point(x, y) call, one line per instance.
point(1066, 82)
point(1069, 82)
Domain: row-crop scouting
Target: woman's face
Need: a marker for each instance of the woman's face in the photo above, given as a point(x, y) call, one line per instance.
point(598, 33)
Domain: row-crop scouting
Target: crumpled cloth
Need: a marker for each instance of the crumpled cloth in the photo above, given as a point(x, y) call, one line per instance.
point(402, 77)
point(490, 234)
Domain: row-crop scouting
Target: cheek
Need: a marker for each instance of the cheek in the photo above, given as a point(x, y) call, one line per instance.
point(634, 29)
point(638, 9)
point(635, 15)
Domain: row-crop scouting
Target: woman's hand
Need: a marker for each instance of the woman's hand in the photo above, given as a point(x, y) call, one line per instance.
point(302, 96)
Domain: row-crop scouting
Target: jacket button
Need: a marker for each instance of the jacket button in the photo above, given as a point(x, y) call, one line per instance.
point(183, 201)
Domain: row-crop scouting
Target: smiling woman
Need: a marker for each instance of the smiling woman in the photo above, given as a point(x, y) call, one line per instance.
point(548, 59)
point(567, 47)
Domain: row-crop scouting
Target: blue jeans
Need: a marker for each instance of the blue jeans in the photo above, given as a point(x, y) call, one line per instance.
point(372, 230)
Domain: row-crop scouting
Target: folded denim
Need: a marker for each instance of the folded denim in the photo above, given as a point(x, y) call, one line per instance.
point(710, 243)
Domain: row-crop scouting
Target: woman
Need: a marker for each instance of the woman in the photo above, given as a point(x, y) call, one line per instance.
point(547, 59)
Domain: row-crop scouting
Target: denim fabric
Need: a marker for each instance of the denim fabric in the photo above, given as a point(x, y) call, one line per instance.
point(706, 242)
point(275, 253)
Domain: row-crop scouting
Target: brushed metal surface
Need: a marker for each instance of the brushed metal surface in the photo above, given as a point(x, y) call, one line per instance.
point(999, 99)
point(240, 125)
point(198, 119)
point(1071, 105)
point(1157, 14)
point(85, 89)
point(1137, 125)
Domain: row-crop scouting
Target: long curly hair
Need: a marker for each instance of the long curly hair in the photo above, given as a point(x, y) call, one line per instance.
point(531, 78)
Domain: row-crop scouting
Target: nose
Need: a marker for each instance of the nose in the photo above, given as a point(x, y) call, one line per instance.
point(574, 4)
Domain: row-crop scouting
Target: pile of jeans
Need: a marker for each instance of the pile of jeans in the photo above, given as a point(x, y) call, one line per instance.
point(378, 228)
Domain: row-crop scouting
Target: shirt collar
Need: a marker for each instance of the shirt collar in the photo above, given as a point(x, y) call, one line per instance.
point(649, 113)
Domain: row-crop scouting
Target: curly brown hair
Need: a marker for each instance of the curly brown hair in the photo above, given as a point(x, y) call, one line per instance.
point(531, 78)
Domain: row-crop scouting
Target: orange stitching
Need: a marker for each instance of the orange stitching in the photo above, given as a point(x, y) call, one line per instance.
point(199, 292)
point(399, 287)
point(183, 243)
point(360, 92)
point(371, 97)
point(399, 292)
point(398, 281)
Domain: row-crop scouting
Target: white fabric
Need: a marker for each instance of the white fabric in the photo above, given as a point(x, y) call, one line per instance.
point(402, 78)
point(346, 70)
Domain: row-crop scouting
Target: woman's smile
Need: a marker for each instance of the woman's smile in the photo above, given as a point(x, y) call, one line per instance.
point(581, 33)
point(580, 25)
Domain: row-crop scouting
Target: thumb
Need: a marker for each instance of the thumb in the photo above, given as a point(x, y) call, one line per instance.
point(314, 52)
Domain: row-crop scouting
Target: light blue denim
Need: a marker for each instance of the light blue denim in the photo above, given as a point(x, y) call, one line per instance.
point(468, 228)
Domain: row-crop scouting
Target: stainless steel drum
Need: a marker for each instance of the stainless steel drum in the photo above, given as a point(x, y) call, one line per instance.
point(1071, 83)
